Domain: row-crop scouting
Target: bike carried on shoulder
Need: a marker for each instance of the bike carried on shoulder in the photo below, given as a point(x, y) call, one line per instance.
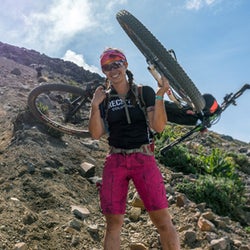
point(163, 62)
point(66, 108)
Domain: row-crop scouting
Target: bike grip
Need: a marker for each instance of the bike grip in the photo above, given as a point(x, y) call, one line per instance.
point(158, 78)
point(155, 74)
point(245, 87)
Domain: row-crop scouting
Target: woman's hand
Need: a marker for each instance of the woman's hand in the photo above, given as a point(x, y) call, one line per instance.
point(98, 96)
point(96, 124)
point(163, 86)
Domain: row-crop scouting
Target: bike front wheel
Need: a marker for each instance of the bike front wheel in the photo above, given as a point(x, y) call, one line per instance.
point(62, 107)
point(156, 54)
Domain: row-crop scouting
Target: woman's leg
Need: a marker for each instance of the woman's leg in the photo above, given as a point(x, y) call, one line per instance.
point(149, 183)
point(168, 235)
point(113, 230)
point(113, 195)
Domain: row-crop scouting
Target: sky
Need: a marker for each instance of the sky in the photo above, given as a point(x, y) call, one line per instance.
point(211, 39)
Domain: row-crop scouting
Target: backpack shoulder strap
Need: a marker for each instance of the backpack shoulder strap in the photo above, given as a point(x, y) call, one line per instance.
point(138, 91)
point(140, 100)
point(142, 105)
point(140, 95)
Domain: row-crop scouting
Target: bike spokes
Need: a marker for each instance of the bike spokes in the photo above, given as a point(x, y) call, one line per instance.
point(63, 108)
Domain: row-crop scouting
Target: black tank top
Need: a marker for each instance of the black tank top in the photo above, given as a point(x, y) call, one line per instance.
point(132, 133)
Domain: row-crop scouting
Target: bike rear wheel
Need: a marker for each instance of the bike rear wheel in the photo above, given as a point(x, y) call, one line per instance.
point(62, 107)
point(156, 54)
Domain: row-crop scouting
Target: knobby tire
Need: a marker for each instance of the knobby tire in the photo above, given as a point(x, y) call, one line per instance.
point(156, 54)
point(40, 101)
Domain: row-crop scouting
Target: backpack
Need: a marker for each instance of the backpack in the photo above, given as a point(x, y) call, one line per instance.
point(137, 89)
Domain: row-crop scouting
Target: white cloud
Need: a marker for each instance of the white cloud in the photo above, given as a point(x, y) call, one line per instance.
point(61, 21)
point(51, 26)
point(79, 60)
point(111, 3)
point(198, 4)
point(193, 4)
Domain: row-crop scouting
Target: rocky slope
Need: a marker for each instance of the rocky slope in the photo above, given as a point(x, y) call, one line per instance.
point(48, 201)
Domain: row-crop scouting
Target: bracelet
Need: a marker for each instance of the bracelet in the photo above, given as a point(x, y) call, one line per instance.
point(158, 97)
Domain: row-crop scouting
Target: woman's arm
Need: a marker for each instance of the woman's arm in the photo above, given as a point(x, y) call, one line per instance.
point(157, 117)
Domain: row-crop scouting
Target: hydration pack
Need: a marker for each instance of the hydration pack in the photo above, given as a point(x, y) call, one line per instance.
point(137, 90)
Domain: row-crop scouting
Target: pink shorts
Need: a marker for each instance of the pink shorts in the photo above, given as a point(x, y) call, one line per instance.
point(142, 169)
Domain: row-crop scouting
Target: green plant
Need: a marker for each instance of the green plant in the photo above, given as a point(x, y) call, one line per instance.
point(222, 195)
point(247, 229)
point(241, 161)
point(61, 169)
point(218, 164)
point(170, 133)
point(218, 183)
point(43, 108)
point(179, 159)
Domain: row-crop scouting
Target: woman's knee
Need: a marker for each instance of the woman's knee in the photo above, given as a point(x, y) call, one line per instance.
point(161, 219)
point(114, 221)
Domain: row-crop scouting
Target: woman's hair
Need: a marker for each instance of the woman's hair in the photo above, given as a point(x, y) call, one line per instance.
point(130, 77)
point(132, 94)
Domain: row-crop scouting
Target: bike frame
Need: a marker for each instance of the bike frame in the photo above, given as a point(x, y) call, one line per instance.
point(207, 122)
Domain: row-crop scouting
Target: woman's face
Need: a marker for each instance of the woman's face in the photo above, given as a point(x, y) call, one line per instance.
point(115, 71)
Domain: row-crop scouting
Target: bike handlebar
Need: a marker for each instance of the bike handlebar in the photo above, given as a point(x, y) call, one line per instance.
point(207, 122)
point(230, 98)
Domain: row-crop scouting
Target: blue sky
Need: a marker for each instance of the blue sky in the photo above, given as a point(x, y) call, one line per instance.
point(211, 39)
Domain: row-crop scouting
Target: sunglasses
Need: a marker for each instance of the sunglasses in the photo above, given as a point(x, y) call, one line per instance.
point(113, 65)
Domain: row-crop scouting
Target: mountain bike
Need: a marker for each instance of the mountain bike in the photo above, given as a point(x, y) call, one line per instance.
point(66, 108)
point(163, 62)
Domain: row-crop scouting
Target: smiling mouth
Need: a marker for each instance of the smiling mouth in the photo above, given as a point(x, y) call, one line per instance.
point(115, 75)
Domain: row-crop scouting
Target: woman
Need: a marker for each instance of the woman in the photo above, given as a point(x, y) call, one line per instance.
point(130, 156)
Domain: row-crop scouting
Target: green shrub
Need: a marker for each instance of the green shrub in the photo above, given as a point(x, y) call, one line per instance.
point(247, 229)
point(178, 159)
point(218, 164)
point(218, 183)
point(170, 133)
point(241, 161)
point(222, 195)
